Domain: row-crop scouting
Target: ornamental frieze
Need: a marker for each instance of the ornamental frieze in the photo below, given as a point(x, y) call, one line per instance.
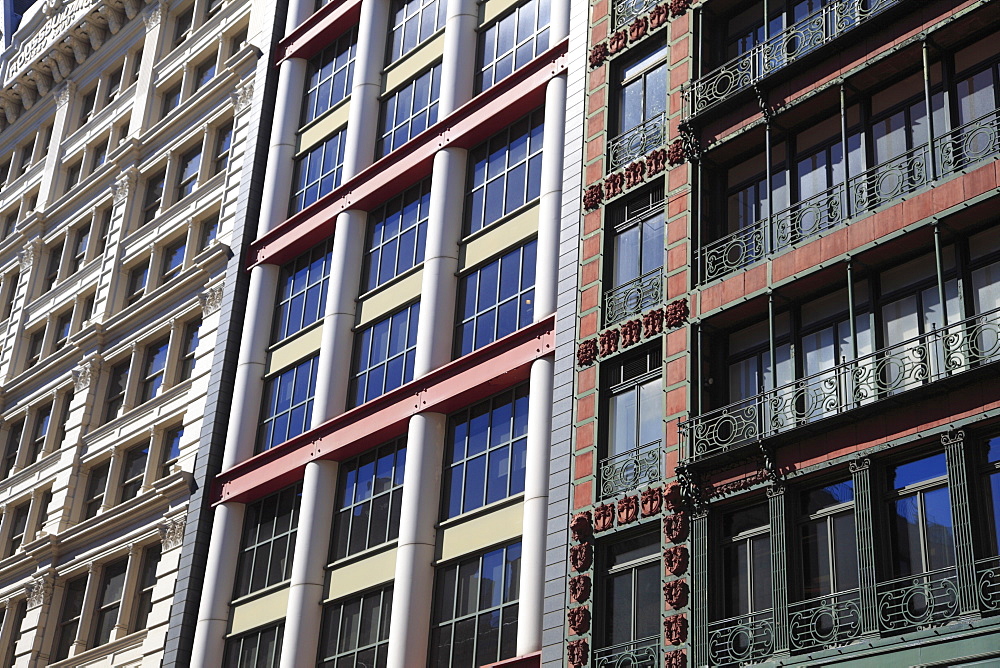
point(608, 342)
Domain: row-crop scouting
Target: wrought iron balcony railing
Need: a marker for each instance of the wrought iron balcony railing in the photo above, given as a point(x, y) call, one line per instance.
point(626, 11)
point(825, 621)
point(633, 144)
point(643, 653)
point(988, 583)
point(883, 184)
point(940, 354)
point(741, 640)
point(630, 470)
point(917, 600)
point(634, 297)
point(762, 60)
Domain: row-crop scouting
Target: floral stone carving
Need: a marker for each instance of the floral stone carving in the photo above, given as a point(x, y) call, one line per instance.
point(675, 527)
point(579, 588)
point(652, 501)
point(578, 620)
point(604, 517)
point(675, 594)
point(628, 509)
point(675, 559)
point(581, 556)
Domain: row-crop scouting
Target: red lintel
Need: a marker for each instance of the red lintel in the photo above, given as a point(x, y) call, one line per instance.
point(319, 30)
point(533, 660)
point(469, 125)
point(475, 376)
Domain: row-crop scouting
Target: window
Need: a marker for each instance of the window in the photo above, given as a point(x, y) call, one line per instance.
point(486, 452)
point(18, 527)
point(133, 471)
point(629, 587)
point(69, 616)
point(637, 244)
point(171, 449)
point(496, 299)
point(154, 369)
point(223, 147)
point(397, 234)
point(109, 601)
point(356, 630)
point(187, 176)
point(80, 248)
point(17, 620)
point(213, 7)
point(170, 99)
point(634, 423)
point(88, 106)
point(73, 174)
point(4, 172)
point(147, 581)
point(97, 484)
point(827, 540)
point(52, 268)
point(302, 291)
point(287, 404)
point(9, 223)
point(10, 293)
point(413, 21)
point(209, 232)
point(330, 76)
point(371, 492)
point(99, 154)
point(643, 86)
point(173, 259)
point(114, 83)
point(920, 526)
point(189, 346)
point(505, 172)
point(153, 197)
point(410, 110)
point(10, 450)
point(35, 342)
point(259, 649)
point(746, 562)
point(318, 171)
point(43, 418)
point(512, 42)
point(384, 355)
point(63, 326)
point(183, 25)
point(204, 73)
point(137, 283)
point(475, 609)
point(117, 385)
point(268, 541)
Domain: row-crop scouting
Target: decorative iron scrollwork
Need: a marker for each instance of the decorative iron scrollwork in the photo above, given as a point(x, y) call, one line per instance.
point(626, 11)
point(630, 470)
point(988, 583)
point(633, 297)
point(741, 639)
point(637, 142)
point(824, 622)
point(918, 601)
point(636, 654)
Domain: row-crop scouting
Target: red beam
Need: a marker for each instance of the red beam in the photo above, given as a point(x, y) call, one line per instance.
point(489, 370)
point(319, 30)
point(466, 127)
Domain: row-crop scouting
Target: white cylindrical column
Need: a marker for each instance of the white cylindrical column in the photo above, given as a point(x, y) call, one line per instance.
point(458, 68)
point(550, 200)
point(283, 144)
point(220, 576)
point(306, 592)
point(414, 582)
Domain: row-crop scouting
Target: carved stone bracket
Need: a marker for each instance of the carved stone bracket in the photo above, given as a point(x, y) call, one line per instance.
point(39, 590)
point(172, 531)
point(124, 184)
point(85, 372)
point(243, 95)
point(211, 300)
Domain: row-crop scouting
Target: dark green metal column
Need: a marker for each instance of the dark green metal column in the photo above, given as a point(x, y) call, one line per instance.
point(961, 520)
point(699, 586)
point(779, 567)
point(861, 472)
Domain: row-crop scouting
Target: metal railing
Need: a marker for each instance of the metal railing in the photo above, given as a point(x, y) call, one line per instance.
point(825, 621)
point(632, 298)
point(917, 600)
point(762, 60)
point(630, 470)
point(931, 357)
point(643, 653)
point(892, 180)
point(633, 144)
point(741, 640)
point(988, 583)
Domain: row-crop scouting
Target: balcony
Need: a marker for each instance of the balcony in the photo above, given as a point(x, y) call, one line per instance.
point(934, 357)
point(779, 51)
point(890, 182)
point(643, 653)
point(631, 470)
point(988, 584)
point(633, 144)
point(634, 297)
point(917, 601)
point(741, 640)
point(824, 622)
point(626, 11)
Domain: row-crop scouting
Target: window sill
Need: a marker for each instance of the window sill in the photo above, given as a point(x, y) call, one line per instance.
point(483, 231)
point(398, 278)
point(129, 642)
point(412, 53)
point(261, 593)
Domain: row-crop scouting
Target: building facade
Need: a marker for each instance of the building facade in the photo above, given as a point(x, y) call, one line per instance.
point(126, 145)
point(385, 490)
point(785, 445)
